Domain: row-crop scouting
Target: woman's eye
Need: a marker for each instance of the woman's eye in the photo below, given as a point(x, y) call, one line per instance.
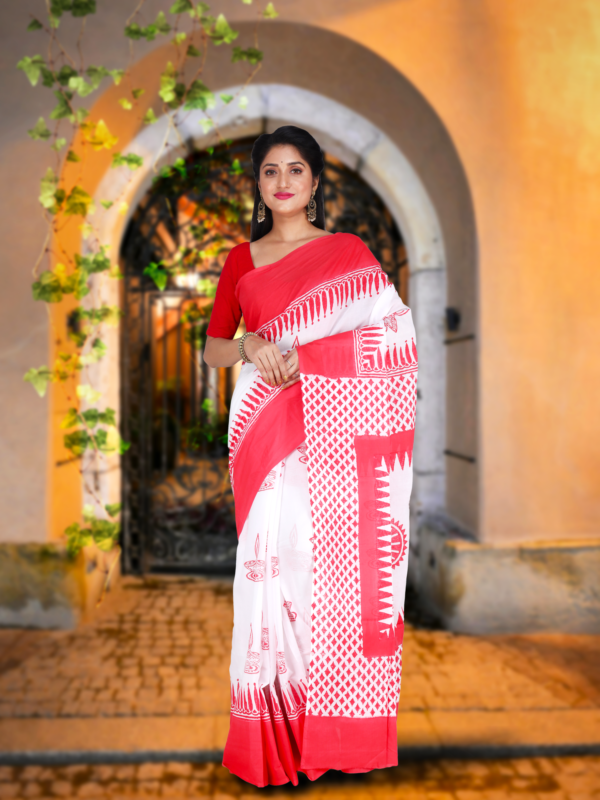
point(297, 169)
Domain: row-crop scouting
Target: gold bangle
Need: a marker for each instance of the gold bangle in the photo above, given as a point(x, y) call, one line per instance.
point(241, 341)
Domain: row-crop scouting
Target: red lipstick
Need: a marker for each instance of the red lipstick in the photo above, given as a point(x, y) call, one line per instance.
point(283, 195)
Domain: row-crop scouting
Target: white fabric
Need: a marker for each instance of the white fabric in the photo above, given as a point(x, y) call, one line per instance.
point(273, 583)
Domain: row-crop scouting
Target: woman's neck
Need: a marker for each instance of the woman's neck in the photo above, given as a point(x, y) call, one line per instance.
point(291, 229)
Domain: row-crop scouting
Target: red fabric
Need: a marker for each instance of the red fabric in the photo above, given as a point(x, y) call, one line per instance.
point(266, 751)
point(357, 402)
point(269, 291)
point(373, 584)
point(350, 745)
point(278, 430)
point(266, 295)
point(227, 312)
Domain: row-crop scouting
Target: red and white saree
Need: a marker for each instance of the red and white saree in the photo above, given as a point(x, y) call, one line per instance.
point(322, 474)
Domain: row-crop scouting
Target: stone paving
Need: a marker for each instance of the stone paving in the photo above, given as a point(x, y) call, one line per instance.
point(523, 779)
point(160, 647)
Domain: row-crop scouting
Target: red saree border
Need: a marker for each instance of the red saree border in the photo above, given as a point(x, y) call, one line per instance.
point(377, 544)
point(349, 744)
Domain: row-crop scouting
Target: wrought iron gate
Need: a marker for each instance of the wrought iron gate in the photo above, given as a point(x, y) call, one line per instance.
point(177, 502)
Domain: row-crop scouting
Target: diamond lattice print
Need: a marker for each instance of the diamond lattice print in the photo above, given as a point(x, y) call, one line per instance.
point(342, 680)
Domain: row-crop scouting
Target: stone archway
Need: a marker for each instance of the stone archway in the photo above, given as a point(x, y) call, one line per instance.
point(368, 115)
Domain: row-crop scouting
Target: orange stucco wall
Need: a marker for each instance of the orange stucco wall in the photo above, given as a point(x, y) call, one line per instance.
point(517, 84)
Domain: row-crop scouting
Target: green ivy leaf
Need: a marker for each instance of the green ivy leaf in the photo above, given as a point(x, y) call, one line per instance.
point(168, 82)
point(77, 442)
point(91, 417)
point(47, 288)
point(206, 287)
point(77, 538)
point(222, 33)
point(81, 8)
point(116, 75)
point(57, 7)
point(81, 114)
point(48, 186)
point(269, 12)
point(150, 117)
point(179, 38)
point(106, 203)
point(47, 77)
point(80, 85)
point(97, 351)
point(112, 509)
point(98, 262)
point(87, 392)
point(65, 73)
point(252, 55)
point(126, 104)
point(96, 74)
point(39, 379)
point(105, 534)
point(236, 168)
point(78, 202)
point(62, 108)
point(73, 157)
point(137, 93)
point(108, 417)
point(199, 96)
point(70, 419)
point(39, 130)
point(35, 25)
point(123, 447)
point(59, 144)
point(134, 31)
point(32, 67)
point(130, 160)
point(181, 6)
point(193, 51)
point(226, 98)
point(161, 24)
point(101, 441)
point(159, 275)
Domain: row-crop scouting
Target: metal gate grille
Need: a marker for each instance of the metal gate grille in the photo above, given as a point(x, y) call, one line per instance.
point(178, 513)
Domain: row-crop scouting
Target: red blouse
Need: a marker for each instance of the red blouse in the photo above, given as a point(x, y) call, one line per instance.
point(227, 313)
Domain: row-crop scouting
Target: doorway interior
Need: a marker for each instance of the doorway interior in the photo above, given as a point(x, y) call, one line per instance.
point(177, 501)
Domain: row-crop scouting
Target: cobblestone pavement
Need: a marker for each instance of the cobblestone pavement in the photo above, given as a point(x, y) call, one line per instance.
point(162, 646)
point(538, 779)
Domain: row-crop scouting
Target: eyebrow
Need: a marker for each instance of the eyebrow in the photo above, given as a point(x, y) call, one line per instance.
point(290, 164)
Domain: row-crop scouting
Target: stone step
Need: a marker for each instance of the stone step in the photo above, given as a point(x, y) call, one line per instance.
point(421, 734)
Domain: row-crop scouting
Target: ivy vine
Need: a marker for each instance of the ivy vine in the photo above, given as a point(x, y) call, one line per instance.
point(192, 30)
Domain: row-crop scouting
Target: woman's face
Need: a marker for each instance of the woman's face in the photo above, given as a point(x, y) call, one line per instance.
point(286, 181)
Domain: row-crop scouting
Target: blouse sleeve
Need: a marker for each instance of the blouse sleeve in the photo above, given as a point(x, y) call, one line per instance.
point(226, 313)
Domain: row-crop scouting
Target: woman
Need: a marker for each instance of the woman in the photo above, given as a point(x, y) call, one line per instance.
point(320, 435)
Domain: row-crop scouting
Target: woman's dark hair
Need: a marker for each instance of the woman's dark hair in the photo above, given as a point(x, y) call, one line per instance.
point(309, 149)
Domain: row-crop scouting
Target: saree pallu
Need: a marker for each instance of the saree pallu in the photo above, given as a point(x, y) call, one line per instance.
point(322, 475)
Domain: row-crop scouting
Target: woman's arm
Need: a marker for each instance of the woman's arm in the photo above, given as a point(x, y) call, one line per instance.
point(221, 352)
point(274, 369)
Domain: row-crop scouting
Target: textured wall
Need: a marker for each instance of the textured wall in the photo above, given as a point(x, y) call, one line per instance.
point(516, 85)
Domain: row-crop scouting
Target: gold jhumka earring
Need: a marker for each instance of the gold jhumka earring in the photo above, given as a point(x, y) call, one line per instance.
point(260, 214)
point(311, 209)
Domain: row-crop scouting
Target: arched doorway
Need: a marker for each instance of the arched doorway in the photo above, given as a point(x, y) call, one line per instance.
point(370, 117)
point(176, 493)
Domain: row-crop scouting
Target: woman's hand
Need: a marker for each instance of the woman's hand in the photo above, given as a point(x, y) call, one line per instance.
point(267, 358)
point(293, 366)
